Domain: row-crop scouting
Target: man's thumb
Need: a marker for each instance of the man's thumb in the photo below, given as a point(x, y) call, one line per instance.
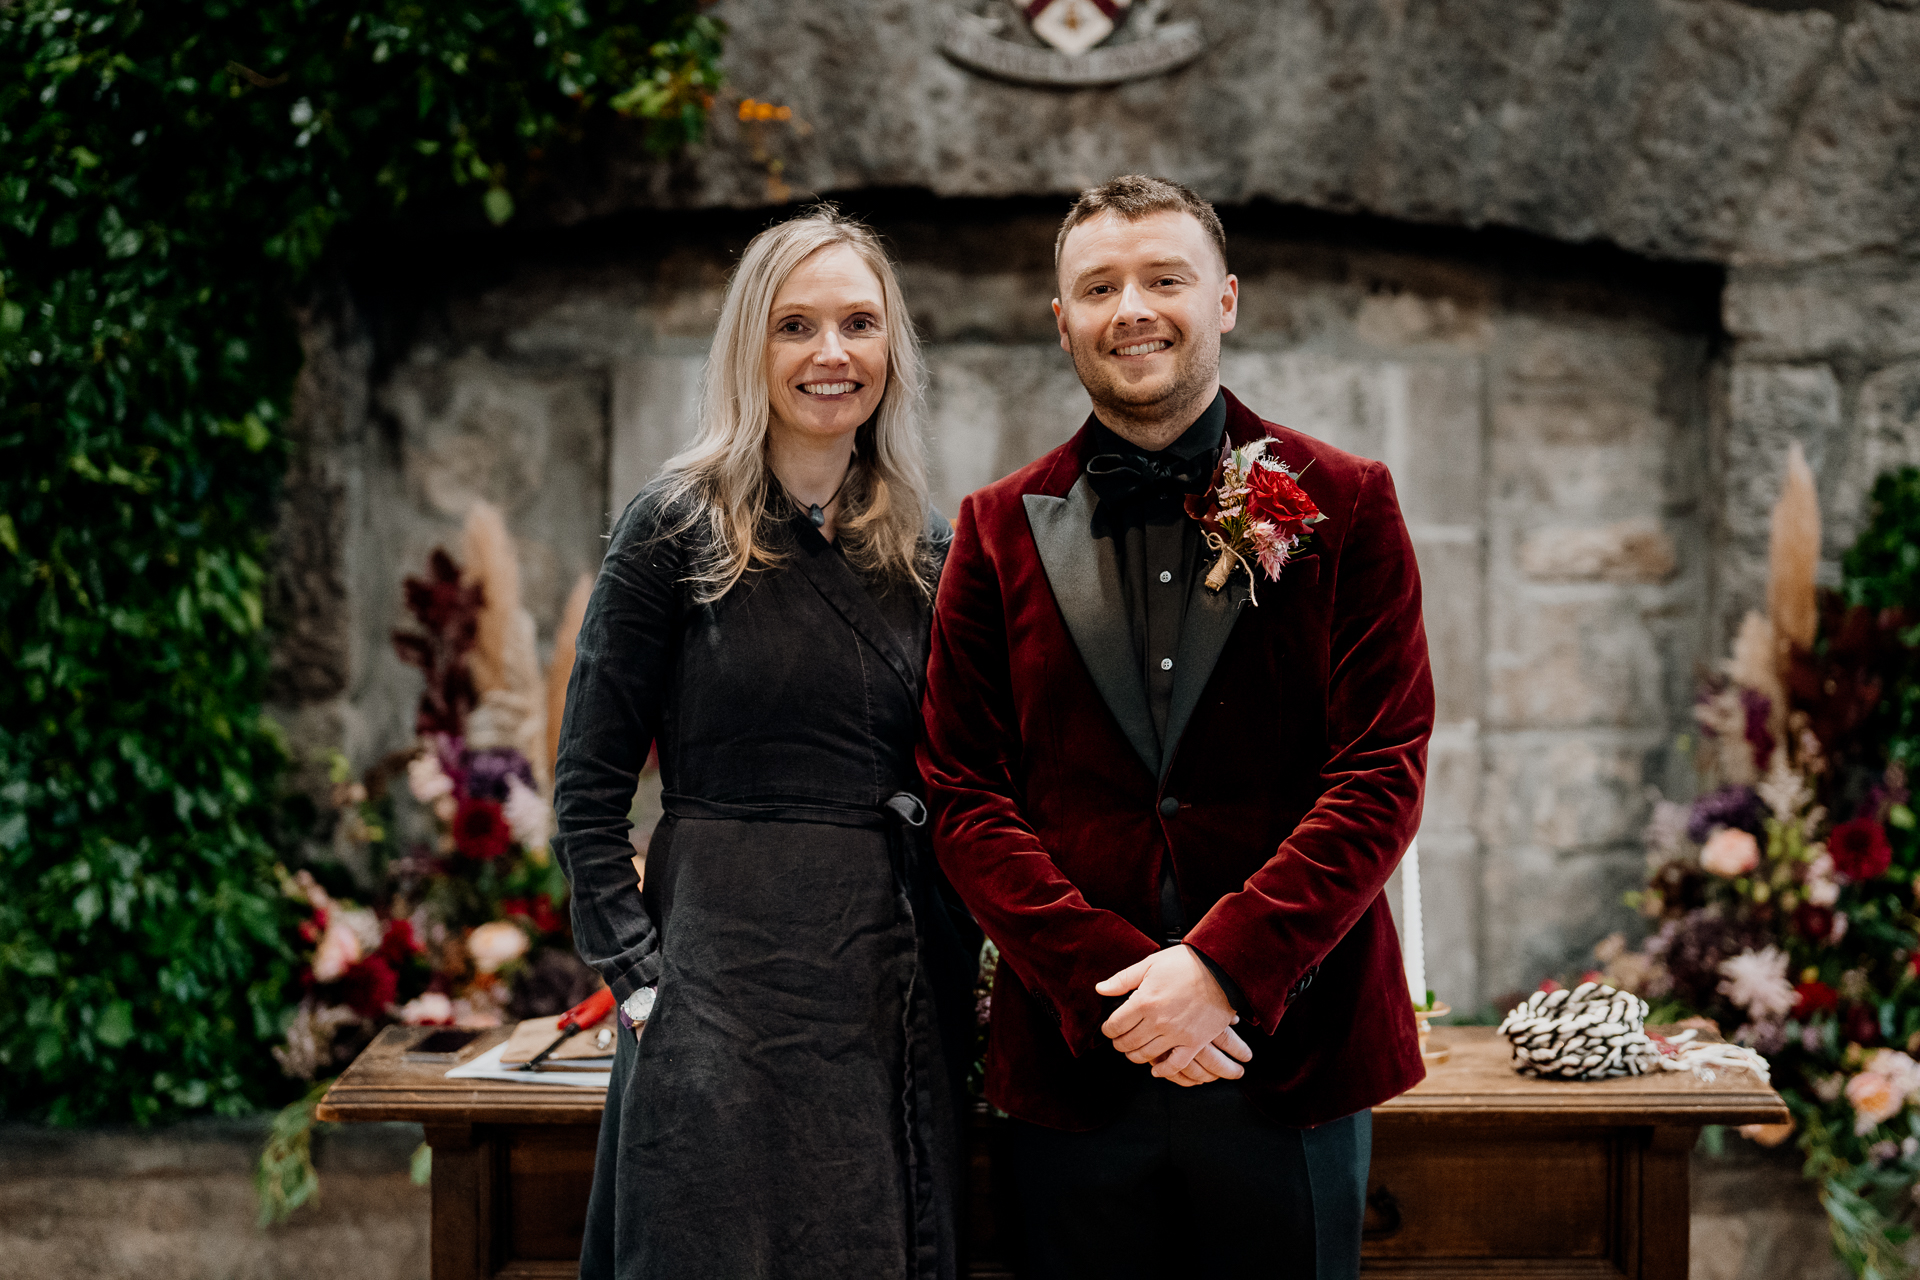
point(1125, 980)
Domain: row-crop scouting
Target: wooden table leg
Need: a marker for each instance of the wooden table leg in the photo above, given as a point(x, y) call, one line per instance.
point(1665, 1204)
point(462, 1201)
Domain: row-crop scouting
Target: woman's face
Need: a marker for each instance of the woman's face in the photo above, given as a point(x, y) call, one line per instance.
point(826, 346)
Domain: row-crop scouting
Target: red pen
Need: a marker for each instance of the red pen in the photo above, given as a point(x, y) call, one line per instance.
point(573, 1022)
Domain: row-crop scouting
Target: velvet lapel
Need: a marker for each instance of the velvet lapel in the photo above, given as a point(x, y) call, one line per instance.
point(842, 588)
point(1085, 576)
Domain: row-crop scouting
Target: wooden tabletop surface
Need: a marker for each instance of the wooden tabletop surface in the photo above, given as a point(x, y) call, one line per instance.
point(1478, 1086)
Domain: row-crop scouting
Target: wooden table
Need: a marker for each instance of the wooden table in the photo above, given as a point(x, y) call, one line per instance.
point(1477, 1172)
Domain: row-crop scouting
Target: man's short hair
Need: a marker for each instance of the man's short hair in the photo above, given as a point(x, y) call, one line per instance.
point(1133, 196)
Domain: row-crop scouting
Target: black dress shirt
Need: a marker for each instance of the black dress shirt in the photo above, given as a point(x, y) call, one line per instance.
point(1158, 549)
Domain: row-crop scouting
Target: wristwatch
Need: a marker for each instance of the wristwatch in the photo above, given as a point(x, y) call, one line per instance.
point(640, 1004)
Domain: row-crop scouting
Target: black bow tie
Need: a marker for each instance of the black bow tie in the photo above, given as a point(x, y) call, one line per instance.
point(1147, 487)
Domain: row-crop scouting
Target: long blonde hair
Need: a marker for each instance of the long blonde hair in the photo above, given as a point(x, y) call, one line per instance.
point(721, 482)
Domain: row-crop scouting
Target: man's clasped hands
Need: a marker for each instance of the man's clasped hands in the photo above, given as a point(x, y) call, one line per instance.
point(1176, 1018)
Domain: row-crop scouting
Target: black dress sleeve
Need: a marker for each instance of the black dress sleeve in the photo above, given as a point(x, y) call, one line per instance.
point(623, 664)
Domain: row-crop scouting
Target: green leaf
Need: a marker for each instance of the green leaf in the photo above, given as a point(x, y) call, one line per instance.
point(499, 206)
point(115, 1024)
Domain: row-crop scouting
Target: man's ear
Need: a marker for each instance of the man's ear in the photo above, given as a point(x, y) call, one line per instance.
point(1230, 304)
point(1060, 323)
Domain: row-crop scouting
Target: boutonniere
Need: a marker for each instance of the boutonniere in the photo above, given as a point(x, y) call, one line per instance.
point(1254, 510)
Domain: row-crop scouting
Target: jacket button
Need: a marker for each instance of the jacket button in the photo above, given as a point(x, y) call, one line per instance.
point(1169, 807)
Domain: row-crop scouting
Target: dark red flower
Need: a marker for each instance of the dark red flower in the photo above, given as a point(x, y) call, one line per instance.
point(1859, 849)
point(369, 986)
point(480, 829)
point(398, 944)
point(1815, 997)
point(1272, 495)
point(1815, 924)
point(1860, 1024)
point(538, 911)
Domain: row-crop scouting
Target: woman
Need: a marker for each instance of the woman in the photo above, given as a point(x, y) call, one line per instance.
point(762, 615)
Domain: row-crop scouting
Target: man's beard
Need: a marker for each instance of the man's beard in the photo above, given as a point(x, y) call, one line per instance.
point(1193, 370)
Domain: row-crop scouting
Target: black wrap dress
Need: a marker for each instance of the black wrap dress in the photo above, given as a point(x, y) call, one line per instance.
point(793, 1109)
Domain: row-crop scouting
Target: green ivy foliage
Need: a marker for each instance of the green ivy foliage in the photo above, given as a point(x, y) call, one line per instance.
point(172, 175)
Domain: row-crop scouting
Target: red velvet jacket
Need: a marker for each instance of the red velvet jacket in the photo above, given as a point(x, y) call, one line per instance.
point(1298, 732)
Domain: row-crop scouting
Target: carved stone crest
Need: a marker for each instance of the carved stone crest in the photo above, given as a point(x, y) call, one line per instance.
point(1072, 44)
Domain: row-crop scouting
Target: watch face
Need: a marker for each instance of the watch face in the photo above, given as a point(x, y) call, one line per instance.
point(640, 1004)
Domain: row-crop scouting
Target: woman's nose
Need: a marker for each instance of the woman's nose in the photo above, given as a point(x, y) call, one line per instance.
point(830, 352)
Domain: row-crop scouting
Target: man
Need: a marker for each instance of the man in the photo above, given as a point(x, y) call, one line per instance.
point(1174, 808)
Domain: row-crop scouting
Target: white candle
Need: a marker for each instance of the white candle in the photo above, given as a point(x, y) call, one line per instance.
point(1413, 939)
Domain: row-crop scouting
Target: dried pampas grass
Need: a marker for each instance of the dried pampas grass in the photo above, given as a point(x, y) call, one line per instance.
point(1793, 557)
point(560, 668)
point(504, 660)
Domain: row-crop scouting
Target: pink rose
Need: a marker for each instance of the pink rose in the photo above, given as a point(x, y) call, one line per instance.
point(1730, 852)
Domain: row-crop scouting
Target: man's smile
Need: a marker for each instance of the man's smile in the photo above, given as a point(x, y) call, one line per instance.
point(1147, 348)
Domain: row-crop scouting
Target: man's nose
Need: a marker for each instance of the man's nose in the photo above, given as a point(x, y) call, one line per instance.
point(1134, 308)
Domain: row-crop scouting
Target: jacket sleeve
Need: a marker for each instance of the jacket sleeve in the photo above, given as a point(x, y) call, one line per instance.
point(1056, 942)
point(622, 663)
point(1294, 909)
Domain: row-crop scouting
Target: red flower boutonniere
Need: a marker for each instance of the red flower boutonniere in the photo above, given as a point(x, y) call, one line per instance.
point(1254, 510)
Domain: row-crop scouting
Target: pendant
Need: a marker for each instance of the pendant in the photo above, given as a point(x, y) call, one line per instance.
point(819, 517)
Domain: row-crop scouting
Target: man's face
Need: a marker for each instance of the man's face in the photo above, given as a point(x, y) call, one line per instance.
point(1141, 309)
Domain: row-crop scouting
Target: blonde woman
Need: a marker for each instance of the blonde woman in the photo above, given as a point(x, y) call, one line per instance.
point(762, 615)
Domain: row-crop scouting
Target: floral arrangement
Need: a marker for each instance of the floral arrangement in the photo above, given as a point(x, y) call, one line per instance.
point(446, 843)
point(1783, 897)
point(1253, 511)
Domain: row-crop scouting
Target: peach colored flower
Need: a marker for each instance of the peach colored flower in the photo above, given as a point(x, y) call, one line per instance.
point(1730, 852)
point(495, 944)
point(1875, 1101)
point(428, 1009)
point(339, 949)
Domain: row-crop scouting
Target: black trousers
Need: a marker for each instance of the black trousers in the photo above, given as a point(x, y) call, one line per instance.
point(1192, 1182)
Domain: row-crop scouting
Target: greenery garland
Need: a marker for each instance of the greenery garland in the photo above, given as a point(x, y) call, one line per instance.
point(172, 174)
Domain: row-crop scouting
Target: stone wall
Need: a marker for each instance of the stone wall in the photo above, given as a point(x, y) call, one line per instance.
point(1703, 242)
point(1545, 418)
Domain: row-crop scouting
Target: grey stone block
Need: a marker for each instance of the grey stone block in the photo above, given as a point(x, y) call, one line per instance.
point(1886, 436)
point(1850, 180)
point(655, 413)
point(1867, 309)
point(1578, 657)
point(1636, 550)
point(1453, 604)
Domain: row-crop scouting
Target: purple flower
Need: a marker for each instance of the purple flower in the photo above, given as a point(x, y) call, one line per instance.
point(489, 768)
point(1736, 807)
point(1759, 709)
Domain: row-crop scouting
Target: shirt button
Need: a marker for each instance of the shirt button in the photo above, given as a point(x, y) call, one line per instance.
point(1166, 664)
point(1165, 576)
point(1169, 807)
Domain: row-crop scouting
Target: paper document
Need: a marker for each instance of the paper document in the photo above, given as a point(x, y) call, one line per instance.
point(489, 1067)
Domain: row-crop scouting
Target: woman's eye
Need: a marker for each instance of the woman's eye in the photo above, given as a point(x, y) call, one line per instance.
point(861, 325)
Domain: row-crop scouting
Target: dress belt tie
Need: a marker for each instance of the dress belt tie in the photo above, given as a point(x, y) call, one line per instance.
point(903, 807)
